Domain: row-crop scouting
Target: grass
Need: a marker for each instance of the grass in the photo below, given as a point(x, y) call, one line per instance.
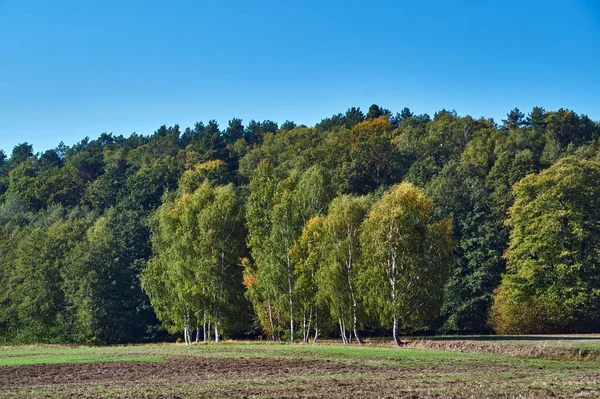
point(22, 356)
point(374, 355)
point(69, 359)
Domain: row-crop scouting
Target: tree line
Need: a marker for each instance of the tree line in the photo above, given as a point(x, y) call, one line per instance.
point(364, 224)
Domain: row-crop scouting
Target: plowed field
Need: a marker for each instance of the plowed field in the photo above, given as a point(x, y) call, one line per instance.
point(286, 371)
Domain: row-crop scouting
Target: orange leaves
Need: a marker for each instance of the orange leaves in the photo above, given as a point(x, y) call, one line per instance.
point(249, 279)
point(249, 273)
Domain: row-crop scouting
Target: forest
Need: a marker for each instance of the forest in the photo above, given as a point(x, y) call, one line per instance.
point(366, 224)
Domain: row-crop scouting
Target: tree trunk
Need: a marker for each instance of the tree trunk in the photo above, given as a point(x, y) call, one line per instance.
point(354, 316)
point(290, 291)
point(208, 330)
point(343, 331)
point(187, 328)
point(271, 321)
point(357, 336)
point(197, 330)
point(396, 333)
point(204, 326)
point(351, 289)
point(316, 327)
point(309, 326)
point(392, 256)
point(304, 326)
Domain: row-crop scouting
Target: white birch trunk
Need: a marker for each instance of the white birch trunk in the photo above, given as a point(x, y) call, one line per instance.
point(304, 326)
point(197, 330)
point(309, 326)
point(316, 327)
point(217, 325)
point(354, 311)
point(396, 333)
point(208, 330)
point(343, 330)
point(271, 321)
point(290, 292)
point(204, 326)
point(186, 328)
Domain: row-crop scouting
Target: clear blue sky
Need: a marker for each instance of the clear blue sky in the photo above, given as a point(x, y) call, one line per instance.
point(70, 69)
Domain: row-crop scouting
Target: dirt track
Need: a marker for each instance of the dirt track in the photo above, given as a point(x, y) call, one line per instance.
point(284, 378)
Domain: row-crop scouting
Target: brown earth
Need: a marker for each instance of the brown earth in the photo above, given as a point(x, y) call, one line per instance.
point(288, 378)
point(498, 348)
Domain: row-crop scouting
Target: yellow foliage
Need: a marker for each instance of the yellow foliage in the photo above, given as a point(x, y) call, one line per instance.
point(523, 314)
point(193, 178)
point(374, 126)
point(213, 164)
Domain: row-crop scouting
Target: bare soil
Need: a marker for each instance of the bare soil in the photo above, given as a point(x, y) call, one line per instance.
point(500, 348)
point(288, 378)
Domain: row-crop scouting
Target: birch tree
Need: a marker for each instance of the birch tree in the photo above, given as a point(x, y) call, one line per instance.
point(407, 259)
point(311, 197)
point(339, 277)
point(194, 273)
point(261, 289)
point(286, 228)
point(308, 258)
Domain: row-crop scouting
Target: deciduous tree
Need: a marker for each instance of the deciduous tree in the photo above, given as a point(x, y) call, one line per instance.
point(407, 259)
point(552, 283)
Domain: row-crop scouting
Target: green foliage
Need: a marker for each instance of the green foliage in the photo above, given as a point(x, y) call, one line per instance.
point(36, 284)
point(308, 258)
point(276, 214)
point(458, 193)
point(194, 272)
point(552, 278)
point(514, 119)
point(21, 153)
point(102, 292)
point(407, 258)
point(74, 279)
point(79, 225)
point(338, 279)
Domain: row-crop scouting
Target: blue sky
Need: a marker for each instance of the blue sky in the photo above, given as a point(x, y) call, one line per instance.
point(71, 69)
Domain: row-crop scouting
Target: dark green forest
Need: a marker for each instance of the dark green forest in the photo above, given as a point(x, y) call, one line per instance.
point(366, 224)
